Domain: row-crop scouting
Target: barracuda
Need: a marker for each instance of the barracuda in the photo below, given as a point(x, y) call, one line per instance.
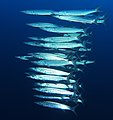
point(56, 46)
point(55, 91)
point(52, 62)
point(56, 39)
point(79, 35)
point(38, 12)
point(63, 29)
point(47, 77)
point(49, 71)
point(24, 57)
point(84, 49)
point(58, 98)
point(56, 85)
point(83, 62)
point(77, 19)
point(60, 55)
point(77, 12)
point(42, 25)
point(57, 105)
point(47, 56)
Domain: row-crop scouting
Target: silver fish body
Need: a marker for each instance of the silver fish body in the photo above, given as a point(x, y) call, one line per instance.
point(58, 98)
point(57, 105)
point(47, 77)
point(47, 56)
point(38, 12)
point(23, 57)
point(77, 19)
point(56, 45)
point(53, 62)
point(42, 25)
point(56, 39)
point(51, 78)
point(55, 91)
point(63, 29)
point(77, 12)
point(56, 54)
point(56, 85)
point(49, 71)
point(84, 62)
point(84, 49)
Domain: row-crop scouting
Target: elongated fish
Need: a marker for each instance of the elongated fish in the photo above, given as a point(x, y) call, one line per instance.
point(47, 56)
point(78, 35)
point(55, 85)
point(77, 19)
point(47, 77)
point(53, 97)
point(84, 62)
point(52, 62)
point(24, 57)
point(77, 12)
point(56, 46)
point(57, 105)
point(56, 39)
point(100, 21)
point(42, 25)
point(54, 55)
point(49, 71)
point(38, 12)
point(58, 98)
point(84, 49)
point(55, 91)
point(52, 78)
point(63, 29)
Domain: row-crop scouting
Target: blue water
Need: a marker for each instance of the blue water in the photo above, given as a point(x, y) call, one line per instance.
point(16, 95)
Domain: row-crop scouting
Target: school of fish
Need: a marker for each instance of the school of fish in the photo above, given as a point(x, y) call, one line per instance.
point(60, 59)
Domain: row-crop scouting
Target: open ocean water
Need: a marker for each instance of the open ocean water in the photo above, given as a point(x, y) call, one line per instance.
point(16, 94)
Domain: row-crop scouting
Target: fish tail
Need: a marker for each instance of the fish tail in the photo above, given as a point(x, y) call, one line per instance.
point(73, 109)
point(105, 19)
point(86, 30)
point(98, 9)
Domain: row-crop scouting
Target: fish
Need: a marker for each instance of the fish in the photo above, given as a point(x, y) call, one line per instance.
point(47, 56)
point(56, 39)
point(100, 21)
point(42, 25)
point(53, 97)
point(57, 105)
point(56, 54)
point(78, 19)
point(83, 62)
point(62, 55)
point(49, 71)
point(23, 57)
point(52, 62)
point(47, 77)
point(56, 29)
point(38, 12)
point(78, 35)
point(58, 98)
point(51, 78)
point(84, 49)
point(54, 91)
point(77, 12)
point(55, 85)
point(63, 29)
point(56, 45)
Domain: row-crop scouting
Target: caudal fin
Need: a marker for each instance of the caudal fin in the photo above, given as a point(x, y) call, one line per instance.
point(98, 9)
point(73, 109)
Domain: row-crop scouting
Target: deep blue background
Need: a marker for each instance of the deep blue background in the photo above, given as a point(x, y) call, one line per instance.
point(16, 95)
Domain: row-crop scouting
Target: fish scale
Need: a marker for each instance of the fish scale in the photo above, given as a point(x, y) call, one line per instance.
point(57, 67)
